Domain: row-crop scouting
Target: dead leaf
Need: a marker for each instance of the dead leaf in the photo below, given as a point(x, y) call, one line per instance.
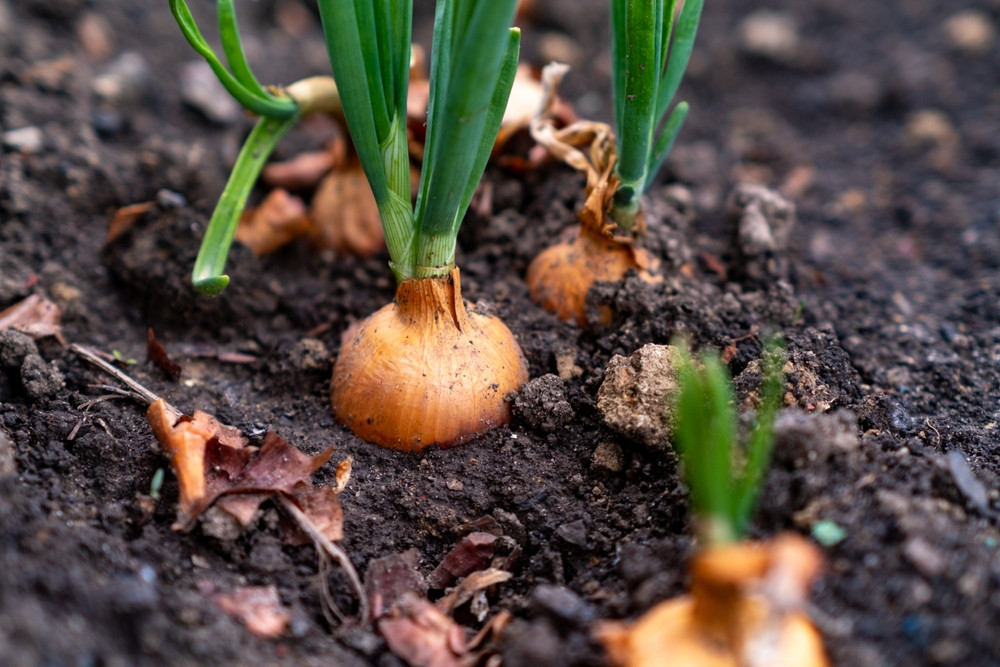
point(391, 577)
point(213, 464)
point(472, 584)
point(279, 219)
point(345, 213)
point(528, 98)
point(473, 552)
point(126, 217)
point(258, 607)
point(303, 171)
point(420, 635)
point(36, 316)
point(158, 355)
point(322, 506)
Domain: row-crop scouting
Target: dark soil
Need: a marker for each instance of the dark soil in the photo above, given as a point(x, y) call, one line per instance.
point(889, 297)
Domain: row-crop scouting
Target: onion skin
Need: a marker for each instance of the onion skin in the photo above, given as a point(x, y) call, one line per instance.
point(423, 370)
point(561, 275)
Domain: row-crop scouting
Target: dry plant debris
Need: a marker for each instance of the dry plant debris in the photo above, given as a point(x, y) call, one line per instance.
point(258, 607)
point(280, 219)
point(36, 316)
point(158, 355)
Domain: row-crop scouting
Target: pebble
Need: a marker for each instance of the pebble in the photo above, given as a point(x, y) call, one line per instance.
point(170, 199)
point(967, 482)
point(8, 464)
point(574, 532)
point(561, 604)
point(770, 34)
point(924, 556)
point(930, 128)
point(203, 92)
point(608, 457)
point(27, 140)
point(971, 31)
point(635, 397)
point(123, 80)
point(6, 19)
point(95, 35)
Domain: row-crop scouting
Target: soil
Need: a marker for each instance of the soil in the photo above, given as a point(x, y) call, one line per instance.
point(875, 123)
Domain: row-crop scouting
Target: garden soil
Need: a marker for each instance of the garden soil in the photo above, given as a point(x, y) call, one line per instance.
point(876, 121)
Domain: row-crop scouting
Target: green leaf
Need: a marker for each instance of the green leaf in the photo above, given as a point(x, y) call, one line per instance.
point(761, 442)
point(351, 70)
point(636, 122)
point(229, 33)
point(263, 105)
point(208, 277)
point(467, 56)
point(667, 137)
point(679, 55)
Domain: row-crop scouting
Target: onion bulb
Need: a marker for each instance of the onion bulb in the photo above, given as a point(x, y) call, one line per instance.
point(561, 275)
point(744, 610)
point(424, 370)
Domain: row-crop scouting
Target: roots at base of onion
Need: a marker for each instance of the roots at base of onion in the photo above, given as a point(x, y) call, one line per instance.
point(424, 370)
point(561, 275)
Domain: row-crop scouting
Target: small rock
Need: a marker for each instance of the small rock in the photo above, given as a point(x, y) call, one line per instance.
point(8, 464)
point(170, 199)
point(855, 91)
point(930, 128)
point(608, 457)
point(124, 80)
point(635, 397)
point(27, 140)
point(924, 556)
point(95, 35)
point(542, 404)
point(220, 524)
point(574, 532)
point(967, 482)
point(763, 220)
point(6, 19)
point(40, 379)
point(202, 91)
point(310, 355)
point(769, 34)
point(971, 31)
point(562, 605)
point(566, 364)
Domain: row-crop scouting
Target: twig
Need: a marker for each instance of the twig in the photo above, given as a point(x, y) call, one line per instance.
point(324, 545)
point(90, 355)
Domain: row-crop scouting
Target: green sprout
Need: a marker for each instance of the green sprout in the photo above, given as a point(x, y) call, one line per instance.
point(279, 111)
point(650, 47)
point(473, 63)
point(723, 475)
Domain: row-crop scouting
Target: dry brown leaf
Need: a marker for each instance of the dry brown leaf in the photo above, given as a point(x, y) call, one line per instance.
point(36, 316)
point(258, 607)
point(345, 214)
point(279, 219)
point(473, 552)
point(744, 610)
point(303, 171)
point(420, 635)
point(125, 217)
point(213, 464)
point(158, 355)
point(528, 98)
point(472, 584)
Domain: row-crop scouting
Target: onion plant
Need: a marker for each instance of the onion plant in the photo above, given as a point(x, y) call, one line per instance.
point(651, 44)
point(279, 110)
point(723, 475)
point(424, 369)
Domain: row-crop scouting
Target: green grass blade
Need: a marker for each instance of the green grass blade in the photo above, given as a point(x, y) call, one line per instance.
point(761, 442)
point(268, 106)
point(208, 276)
point(666, 139)
point(455, 132)
point(667, 16)
point(679, 54)
point(229, 33)
point(340, 29)
point(401, 33)
point(718, 476)
point(635, 132)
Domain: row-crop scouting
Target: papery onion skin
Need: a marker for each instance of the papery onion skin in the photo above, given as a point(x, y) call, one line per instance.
point(424, 370)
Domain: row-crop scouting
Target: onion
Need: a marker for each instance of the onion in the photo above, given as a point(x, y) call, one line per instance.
point(561, 275)
point(424, 370)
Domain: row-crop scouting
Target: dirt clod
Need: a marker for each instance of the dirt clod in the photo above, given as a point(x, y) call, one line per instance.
point(634, 398)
